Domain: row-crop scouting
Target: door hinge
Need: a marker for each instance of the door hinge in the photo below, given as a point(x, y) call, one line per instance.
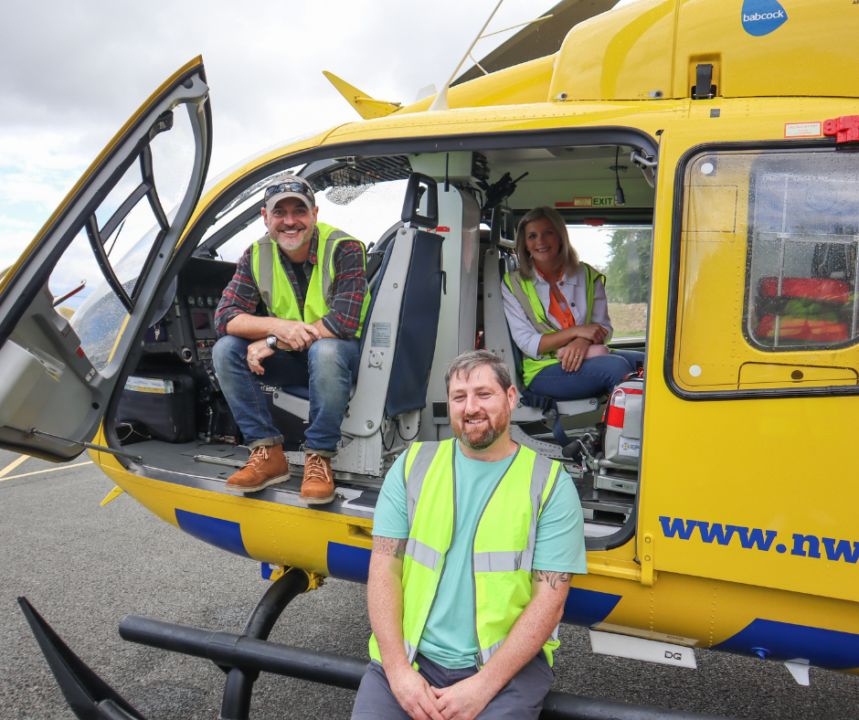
point(648, 574)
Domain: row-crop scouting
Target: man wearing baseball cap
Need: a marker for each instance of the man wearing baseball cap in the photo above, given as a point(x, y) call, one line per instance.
point(311, 279)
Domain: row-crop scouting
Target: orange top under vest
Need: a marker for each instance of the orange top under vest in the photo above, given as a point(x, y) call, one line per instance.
point(561, 313)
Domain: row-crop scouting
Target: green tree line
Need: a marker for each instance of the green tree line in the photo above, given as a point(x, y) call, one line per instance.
point(628, 268)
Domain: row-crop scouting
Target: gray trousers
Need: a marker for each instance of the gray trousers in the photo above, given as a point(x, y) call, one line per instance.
point(521, 698)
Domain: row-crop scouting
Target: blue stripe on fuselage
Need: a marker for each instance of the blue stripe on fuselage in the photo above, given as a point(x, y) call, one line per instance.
point(224, 534)
point(588, 607)
point(348, 562)
point(829, 649)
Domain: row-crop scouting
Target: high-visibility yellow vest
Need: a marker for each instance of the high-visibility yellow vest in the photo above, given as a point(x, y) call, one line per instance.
point(276, 289)
point(503, 547)
point(523, 290)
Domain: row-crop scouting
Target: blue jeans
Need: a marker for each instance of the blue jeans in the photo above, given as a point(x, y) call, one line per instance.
point(596, 376)
point(326, 369)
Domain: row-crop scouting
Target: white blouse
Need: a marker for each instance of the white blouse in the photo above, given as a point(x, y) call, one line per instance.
point(574, 289)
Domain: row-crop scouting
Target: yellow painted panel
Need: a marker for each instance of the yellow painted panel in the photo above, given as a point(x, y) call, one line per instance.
point(801, 57)
point(710, 324)
point(652, 45)
point(757, 466)
point(271, 533)
point(763, 375)
point(623, 54)
point(708, 612)
point(518, 85)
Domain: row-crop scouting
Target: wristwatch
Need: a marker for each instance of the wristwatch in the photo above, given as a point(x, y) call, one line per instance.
point(271, 341)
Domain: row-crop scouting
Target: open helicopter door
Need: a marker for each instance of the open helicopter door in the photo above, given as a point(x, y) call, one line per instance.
point(54, 388)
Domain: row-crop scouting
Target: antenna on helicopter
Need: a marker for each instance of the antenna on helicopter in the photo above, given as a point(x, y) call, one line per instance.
point(440, 102)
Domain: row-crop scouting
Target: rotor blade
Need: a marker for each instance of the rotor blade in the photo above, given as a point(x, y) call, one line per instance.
point(89, 697)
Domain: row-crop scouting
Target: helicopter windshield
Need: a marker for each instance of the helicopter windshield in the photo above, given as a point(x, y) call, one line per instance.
point(100, 312)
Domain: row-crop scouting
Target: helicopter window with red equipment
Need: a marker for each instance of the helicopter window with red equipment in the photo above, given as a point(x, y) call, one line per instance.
point(783, 224)
point(803, 256)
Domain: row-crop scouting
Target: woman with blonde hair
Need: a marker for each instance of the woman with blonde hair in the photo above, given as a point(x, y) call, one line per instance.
point(557, 311)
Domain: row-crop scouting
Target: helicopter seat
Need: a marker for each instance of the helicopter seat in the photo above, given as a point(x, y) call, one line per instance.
point(295, 399)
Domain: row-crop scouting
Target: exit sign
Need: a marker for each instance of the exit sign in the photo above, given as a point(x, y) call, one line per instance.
point(587, 202)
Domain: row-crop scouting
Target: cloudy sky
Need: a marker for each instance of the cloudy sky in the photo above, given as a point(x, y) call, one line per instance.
point(71, 73)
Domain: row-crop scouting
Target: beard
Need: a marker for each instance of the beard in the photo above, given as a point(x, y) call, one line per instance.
point(481, 438)
point(294, 244)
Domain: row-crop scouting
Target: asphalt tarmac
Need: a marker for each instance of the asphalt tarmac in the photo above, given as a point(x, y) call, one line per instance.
point(84, 568)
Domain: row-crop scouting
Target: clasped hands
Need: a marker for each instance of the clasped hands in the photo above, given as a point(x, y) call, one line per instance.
point(572, 355)
point(296, 335)
point(464, 700)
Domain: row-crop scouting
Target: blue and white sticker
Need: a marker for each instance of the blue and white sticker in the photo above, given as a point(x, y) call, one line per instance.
point(762, 17)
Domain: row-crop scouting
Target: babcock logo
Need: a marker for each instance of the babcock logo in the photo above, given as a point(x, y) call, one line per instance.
point(761, 17)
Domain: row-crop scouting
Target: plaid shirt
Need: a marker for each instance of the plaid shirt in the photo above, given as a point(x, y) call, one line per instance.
point(344, 310)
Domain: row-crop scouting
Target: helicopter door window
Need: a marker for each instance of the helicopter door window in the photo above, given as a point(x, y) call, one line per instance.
point(622, 254)
point(769, 258)
point(116, 247)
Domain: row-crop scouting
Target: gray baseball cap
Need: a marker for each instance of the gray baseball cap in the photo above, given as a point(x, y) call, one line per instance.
point(289, 186)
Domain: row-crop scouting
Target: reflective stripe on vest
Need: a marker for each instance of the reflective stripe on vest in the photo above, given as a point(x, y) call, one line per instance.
point(502, 551)
point(276, 289)
point(526, 294)
point(423, 554)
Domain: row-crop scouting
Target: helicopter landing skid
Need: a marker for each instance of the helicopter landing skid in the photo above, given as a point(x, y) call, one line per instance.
point(244, 656)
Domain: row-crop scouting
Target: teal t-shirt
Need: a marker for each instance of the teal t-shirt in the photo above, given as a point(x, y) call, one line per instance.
point(448, 637)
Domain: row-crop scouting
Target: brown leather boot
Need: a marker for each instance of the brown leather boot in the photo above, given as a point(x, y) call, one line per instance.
point(266, 466)
point(317, 488)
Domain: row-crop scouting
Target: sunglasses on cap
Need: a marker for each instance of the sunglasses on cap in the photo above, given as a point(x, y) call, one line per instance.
point(290, 186)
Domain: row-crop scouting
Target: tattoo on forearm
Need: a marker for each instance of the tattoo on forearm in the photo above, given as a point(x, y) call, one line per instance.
point(553, 578)
point(390, 546)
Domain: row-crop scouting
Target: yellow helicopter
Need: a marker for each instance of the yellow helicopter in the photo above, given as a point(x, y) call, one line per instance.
point(710, 147)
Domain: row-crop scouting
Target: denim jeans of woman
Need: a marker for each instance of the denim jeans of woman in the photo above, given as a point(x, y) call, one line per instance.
point(597, 376)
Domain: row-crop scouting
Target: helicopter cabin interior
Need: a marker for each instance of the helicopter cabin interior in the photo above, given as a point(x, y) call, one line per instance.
point(435, 282)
